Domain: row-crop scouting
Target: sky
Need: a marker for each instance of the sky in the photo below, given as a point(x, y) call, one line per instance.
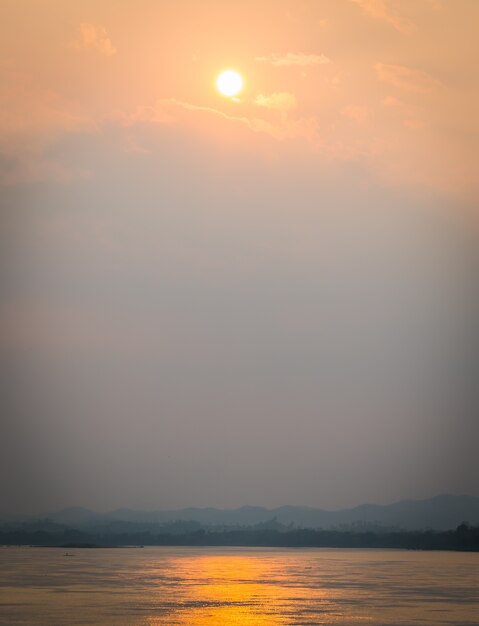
point(267, 299)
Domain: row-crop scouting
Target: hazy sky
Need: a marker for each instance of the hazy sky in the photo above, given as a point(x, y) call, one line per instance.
point(264, 300)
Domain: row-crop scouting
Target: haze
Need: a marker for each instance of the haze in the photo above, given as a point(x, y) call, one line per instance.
point(213, 302)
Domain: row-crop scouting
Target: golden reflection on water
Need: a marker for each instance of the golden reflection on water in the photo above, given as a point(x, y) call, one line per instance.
point(228, 592)
point(240, 590)
point(237, 587)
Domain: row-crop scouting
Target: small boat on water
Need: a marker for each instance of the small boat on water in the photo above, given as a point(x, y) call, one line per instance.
point(68, 554)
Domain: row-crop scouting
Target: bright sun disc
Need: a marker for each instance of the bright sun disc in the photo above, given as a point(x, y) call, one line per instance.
point(229, 83)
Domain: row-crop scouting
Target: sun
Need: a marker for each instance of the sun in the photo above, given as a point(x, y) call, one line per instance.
point(229, 83)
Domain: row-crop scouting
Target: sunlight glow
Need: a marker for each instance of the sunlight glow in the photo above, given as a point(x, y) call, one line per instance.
point(229, 83)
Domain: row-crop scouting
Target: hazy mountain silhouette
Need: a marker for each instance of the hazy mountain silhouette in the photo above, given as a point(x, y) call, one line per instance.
point(441, 513)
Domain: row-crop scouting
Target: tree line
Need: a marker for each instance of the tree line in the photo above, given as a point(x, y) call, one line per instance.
point(464, 538)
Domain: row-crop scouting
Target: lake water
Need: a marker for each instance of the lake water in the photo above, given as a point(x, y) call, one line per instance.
point(237, 587)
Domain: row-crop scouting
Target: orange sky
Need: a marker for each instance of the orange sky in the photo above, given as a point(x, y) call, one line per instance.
point(392, 85)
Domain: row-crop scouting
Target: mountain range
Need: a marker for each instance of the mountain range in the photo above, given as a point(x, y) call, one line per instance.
point(442, 512)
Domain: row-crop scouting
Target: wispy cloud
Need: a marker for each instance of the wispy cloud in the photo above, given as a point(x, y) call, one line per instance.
point(164, 113)
point(382, 10)
point(406, 78)
point(290, 58)
point(281, 101)
point(93, 37)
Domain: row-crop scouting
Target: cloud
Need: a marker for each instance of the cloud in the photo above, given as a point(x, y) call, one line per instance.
point(289, 59)
point(30, 111)
point(94, 37)
point(32, 119)
point(157, 113)
point(406, 78)
point(163, 113)
point(381, 10)
point(281, 101)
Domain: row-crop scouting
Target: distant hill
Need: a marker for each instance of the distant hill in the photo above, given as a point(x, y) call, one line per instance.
point(443, 512)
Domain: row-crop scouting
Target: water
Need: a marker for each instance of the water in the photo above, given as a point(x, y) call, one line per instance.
point(237, 587)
